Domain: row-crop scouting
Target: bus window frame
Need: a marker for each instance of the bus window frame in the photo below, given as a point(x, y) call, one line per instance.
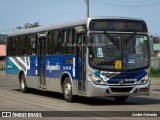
point(59, 41)
point(23, 51)
point(8, 46)
point(30, 48)
point(73, 37)
point(14, 38)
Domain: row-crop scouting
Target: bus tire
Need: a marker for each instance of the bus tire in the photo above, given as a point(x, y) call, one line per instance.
point(23, 84)
point(67, 90)
point(120, 99)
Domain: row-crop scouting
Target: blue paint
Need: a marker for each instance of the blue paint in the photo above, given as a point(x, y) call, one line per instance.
point(34, 65)
point(54, 66)
point(97, 73)
point(125, 76)
point(57, 65)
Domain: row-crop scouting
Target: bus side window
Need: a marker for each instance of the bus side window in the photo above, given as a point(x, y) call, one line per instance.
point(8, 46)
point(31, 45)
point(57, 43)
point(54, 43)
point(14, 46)
point(68, 42)
point(22, 46)
point(51, 43)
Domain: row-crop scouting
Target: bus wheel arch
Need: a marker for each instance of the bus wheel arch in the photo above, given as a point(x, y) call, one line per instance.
point(22, 82)
point(66, 85)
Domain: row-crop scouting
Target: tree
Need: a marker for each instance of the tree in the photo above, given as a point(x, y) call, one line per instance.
point(28, 25)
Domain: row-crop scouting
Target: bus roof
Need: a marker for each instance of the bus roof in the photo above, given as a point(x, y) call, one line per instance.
point(45, 28)
point(64, 25)
point(116, 17)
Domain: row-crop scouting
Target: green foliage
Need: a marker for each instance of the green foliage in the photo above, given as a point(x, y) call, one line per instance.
point(155, 72)
point(28, 25)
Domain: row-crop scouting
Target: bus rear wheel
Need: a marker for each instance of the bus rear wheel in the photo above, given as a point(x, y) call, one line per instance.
point(67, 90)
point(23, 84)
point(120, 99)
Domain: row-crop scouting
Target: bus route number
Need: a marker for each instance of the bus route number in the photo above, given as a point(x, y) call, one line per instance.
point(118, 64)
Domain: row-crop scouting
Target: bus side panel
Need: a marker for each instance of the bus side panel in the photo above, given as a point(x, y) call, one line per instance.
point(28, 65)
point(56, 66)
point(53, 84)
point(32, 81)
point(33, 66)
point(12, 70)
point(33, 72)
point(12, 66)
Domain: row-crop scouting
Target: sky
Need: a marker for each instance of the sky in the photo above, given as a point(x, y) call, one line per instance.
point(14, 13)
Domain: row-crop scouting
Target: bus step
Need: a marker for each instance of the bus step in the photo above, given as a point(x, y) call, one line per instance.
point(42, 89)
point(81, 94)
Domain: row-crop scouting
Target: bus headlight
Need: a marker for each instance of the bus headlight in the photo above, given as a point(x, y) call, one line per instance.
point(96, 79)
point(144, 80)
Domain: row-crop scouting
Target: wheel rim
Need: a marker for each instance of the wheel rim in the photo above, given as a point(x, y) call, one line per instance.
point(67, 90)
point(22, 83)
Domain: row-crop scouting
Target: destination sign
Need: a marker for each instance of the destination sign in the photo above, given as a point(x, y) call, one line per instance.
point(118, 25)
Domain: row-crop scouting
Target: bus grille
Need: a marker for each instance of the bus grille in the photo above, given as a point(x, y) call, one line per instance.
point(118, 90)
point(125, 76)
point(117, 83)
point(128, 78)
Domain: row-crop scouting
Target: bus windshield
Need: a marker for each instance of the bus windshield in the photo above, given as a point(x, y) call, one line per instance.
point(130, 49)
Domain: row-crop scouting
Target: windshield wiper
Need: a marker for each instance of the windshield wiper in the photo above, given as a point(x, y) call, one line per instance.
point(112, 39)
point(129, 38)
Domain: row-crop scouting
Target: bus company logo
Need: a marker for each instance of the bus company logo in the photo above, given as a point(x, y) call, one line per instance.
point(6, 114)
point(52, 67)
point(121, 82)
point(21, 114)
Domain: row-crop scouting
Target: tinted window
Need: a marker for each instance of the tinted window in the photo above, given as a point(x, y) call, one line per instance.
point(54, 43)
point(31, 45)
point(14, 46)
point(8, 47)
point(68, 42)
point(21, 46)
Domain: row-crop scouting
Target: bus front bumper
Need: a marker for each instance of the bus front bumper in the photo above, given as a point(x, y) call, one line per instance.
point(93, 90)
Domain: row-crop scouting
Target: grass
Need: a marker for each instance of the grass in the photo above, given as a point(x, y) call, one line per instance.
point(155, 72)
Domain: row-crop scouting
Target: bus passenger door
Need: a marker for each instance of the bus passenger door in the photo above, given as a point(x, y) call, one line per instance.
point(80, 51)
point(42, 63)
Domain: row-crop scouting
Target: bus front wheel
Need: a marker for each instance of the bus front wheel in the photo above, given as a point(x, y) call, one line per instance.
point(67, 90)
point(23, 84)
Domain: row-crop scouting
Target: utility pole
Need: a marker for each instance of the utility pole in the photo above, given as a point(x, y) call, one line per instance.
point(87, 6)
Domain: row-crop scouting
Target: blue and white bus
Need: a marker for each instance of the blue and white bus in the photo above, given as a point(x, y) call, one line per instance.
point(107, 56)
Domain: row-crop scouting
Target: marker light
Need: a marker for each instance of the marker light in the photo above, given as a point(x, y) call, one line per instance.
point(96, 79)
